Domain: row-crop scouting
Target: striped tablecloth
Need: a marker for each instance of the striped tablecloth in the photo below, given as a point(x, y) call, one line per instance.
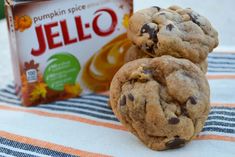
point(86, 126)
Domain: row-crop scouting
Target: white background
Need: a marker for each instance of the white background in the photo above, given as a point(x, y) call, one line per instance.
point(220, 13)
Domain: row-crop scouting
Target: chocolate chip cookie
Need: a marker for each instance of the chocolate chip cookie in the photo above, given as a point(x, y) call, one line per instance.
point(178, 32)
point(135, 53)
point(163, 101)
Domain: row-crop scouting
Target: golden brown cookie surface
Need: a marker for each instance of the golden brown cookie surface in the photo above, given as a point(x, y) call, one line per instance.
point(163, 101)
point(178, 32)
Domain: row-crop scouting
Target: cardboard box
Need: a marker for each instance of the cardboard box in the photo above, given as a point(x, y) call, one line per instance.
point(62, 49)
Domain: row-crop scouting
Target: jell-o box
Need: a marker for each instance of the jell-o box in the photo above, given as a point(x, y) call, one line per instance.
point(63, 49)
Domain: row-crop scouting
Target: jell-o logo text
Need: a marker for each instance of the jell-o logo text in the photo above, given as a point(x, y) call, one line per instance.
point(46, 36)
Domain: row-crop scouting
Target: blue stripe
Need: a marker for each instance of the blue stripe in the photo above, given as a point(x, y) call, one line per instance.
point(10, 102)
point(223, 113)
point(221, 71)
point(8, 97)
point(81, 107)
point(75, 100)
point(80, 112)
point(221, 62)
point(216, 129)
point(87, 103)
point(32, 148)
point(15, 153)
point(94, 99)
point(69, 110)
point(221, 57)
point(63, 104)
point(7, 91)
point(221, 67)
point(97, 95)
point(221, 118)
point(12, 86)
point(220, 124)
point(222, 107)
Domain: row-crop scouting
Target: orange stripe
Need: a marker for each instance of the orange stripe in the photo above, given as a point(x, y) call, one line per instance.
point(105, 93)
point(217, 77)
point(222, 105)
point(215, 137)
point(48, 145)
point(64, 116)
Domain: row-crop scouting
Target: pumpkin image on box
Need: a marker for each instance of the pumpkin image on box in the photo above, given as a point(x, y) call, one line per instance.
point(22, 23)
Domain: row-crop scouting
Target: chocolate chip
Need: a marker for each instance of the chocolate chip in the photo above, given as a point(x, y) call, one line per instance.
point(174, 121)
point(158, 8)
point(131, 97)
point(132, 81)
point(162, 14)
point(148, 71)
point(169, 27)
point(187, 75)
point(193, 100)
point(144, 102)
point(184, 111)
point(123, 101)
point(194, 19)
point(151, 31)
point(150, 49)
point(176, 143)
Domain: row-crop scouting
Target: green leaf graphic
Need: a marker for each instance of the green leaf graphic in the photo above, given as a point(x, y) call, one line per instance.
point(63, 69)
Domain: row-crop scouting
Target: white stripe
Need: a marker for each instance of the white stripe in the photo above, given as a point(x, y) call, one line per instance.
point(223, 109)
point(23, 151)
point(221, 116)
point(78, 101)
point(220, 120)
point(6, 155)
point(64, 107)
point(220, 73)
point(96, 97)
point(70, 113)
point(216, 133)
point(225, 49)
point(73, 105)
point(232, 55)
point(69, 103)
point(79, 109)
point(9, 95)
point(220, 127)
point(10, 100)
point(219, 59)
point(66, 113)
point(220, 65)
point(81, 115)
point(224, 127)
point(222, 112)
point(61, 102)
point(222, 91)
point(10, 89)
point(218, 70)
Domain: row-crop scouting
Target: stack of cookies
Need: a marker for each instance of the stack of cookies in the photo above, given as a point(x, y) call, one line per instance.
point(162, 95)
